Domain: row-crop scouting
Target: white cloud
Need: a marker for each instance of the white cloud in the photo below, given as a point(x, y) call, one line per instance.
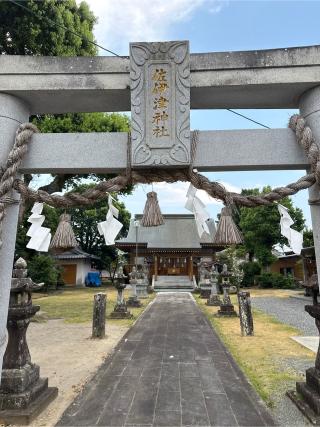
point(175, 194)
point(124, 21)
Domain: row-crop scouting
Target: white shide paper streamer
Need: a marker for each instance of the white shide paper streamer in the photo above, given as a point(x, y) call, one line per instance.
point(40, 236)
point(197, 207)
point(110, 228)
point(295, 238)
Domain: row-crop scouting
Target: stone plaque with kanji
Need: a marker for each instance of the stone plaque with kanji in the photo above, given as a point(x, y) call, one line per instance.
point(160, 103)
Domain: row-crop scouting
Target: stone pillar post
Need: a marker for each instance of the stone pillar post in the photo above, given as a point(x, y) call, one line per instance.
point(13, 112)
point(156, 267)
point(191, 267)
point(245, 313)
point(310, 110)
point(99, 316)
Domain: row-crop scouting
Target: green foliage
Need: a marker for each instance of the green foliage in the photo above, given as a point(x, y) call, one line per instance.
point(308, 238)
point(25, 33)
point(42, 268)
point(232, 258)
point(275, 280)
point(261, 227)
point(250, 269)
point(82, 122)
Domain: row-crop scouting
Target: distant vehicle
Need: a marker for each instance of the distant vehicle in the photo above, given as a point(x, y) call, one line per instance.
point(93, 279)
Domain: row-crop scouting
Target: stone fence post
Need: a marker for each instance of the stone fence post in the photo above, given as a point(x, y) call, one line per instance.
point(99, 316)
point(245, 313)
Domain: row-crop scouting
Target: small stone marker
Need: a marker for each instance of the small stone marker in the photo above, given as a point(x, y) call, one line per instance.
point(245, 313)
point(99, 316)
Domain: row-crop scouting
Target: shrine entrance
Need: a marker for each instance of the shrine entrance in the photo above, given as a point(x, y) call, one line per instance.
point(173, 265)
point(164, 82)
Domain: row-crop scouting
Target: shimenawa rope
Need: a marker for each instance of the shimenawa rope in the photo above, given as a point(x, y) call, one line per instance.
point(24, 133)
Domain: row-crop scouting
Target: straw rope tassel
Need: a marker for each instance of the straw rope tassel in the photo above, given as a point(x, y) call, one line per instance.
point(64, 238)
point(152, 215)
point(227, 232)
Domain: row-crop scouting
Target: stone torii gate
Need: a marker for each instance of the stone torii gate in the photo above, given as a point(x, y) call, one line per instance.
point(279, 78)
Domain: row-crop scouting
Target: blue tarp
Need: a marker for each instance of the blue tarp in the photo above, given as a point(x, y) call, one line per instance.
point(93, 279)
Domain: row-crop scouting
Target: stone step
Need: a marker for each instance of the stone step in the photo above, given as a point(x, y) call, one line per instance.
point(164, 290)
point(173, 284)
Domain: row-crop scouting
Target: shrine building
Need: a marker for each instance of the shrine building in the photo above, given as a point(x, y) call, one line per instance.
point(171, 249)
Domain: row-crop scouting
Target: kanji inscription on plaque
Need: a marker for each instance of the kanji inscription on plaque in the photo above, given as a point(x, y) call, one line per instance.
point(160, 103)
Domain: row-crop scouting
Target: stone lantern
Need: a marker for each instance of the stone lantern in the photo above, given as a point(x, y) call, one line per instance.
point(23, 394)
point(142, 282)
point(133, 300)
point(120, 309)
point(214, 299)
point(204, 280)
point(226, 307)
point(307, 394)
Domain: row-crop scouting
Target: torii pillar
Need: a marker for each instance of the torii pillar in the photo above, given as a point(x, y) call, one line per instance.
point(13, 112)
point(310, 110)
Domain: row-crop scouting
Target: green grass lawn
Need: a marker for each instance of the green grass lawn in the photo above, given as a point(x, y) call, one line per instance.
point(260, 356)
point(75, 305)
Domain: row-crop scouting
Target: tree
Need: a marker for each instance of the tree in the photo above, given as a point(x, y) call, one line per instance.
point(261, 227)
point(308, 238)
point(85, 225)
point(48, 27)
point(42, 268)
point(41, 32)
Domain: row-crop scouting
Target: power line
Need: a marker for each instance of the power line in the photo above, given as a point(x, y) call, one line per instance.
point(65, 28)
point(247, 118)
point(113, 53)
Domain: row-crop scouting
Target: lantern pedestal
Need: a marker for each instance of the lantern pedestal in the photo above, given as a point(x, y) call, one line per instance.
point(214, 300)
point(120, 311)
point(307, 394)
point(23, 394)
point(133, 300)
point(226, 307)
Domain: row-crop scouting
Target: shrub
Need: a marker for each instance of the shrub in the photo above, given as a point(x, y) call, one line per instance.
point(275, 280)
point(42, 268)
point(250, 269)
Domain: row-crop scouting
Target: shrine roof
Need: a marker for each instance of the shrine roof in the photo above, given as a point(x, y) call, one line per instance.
point(178, 231)
point(75, 253)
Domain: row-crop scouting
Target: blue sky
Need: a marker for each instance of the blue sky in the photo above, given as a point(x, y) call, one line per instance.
point(213, 25)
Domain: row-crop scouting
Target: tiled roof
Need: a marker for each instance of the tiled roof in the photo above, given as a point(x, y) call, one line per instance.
point(178, 231)
point(76, 253)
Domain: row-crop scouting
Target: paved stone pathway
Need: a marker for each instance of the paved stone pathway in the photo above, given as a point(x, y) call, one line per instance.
point(171, 369)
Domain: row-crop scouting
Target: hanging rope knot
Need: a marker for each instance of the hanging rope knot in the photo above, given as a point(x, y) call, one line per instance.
point(9, 200)
point(129, 164)
point(305, 138)
point(193, 150)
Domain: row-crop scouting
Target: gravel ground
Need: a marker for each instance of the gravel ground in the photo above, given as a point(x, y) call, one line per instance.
point(285, 412)
point(289, 311)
